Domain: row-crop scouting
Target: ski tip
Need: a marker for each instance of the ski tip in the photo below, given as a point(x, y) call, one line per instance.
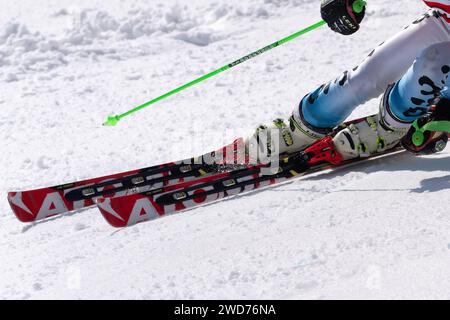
point(22, 213)
point(111, 121)
point(109, 214)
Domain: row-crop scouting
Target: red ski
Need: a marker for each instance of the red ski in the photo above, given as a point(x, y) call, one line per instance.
point(39, 204)
point(130, 210)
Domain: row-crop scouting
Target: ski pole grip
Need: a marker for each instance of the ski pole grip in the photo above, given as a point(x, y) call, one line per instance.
point(358, 6)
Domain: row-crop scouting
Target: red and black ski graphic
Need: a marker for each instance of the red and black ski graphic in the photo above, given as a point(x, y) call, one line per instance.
point(138, 195)
point(39, 204)
point(130, 210)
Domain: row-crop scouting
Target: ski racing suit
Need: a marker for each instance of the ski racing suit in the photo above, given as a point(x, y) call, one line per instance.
point(417, 60)
point(411, 69)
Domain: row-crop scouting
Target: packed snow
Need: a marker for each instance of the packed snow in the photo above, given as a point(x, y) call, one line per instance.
point(378, 230)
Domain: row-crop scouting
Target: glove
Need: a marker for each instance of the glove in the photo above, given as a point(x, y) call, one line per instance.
point(429, 142)
point(441, 110)
point(340, 15)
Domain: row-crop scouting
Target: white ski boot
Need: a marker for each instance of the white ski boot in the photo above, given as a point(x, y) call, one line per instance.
point(374, 135)
point(282, 137)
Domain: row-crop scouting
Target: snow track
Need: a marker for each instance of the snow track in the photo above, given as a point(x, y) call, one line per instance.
point(379, 230)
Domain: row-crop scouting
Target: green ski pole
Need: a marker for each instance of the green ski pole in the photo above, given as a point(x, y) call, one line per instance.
point(358, 6)
point(418, 138)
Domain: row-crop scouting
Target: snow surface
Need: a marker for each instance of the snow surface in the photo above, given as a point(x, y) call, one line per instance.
point(380, 230)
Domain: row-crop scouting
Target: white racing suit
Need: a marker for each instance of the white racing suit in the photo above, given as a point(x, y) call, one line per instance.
point(416, 59)
point(411, 69)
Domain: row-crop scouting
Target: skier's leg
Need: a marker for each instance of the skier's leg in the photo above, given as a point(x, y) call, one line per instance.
point(329, 105)
point(411, 97)
point(332, 103)
point(407, 100)
point(423, 94)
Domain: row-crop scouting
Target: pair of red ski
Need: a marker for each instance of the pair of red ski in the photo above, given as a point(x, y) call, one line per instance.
point(132, 197)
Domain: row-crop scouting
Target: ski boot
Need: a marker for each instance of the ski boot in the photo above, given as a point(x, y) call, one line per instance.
point(282, 137)
point(370, 135)
point(429, 134)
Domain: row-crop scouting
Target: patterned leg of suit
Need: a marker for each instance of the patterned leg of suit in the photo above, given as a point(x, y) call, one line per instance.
point(411, 97)
point(332, 103)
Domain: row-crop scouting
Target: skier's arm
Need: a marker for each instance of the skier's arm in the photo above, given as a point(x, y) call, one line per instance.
point(341, 16)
